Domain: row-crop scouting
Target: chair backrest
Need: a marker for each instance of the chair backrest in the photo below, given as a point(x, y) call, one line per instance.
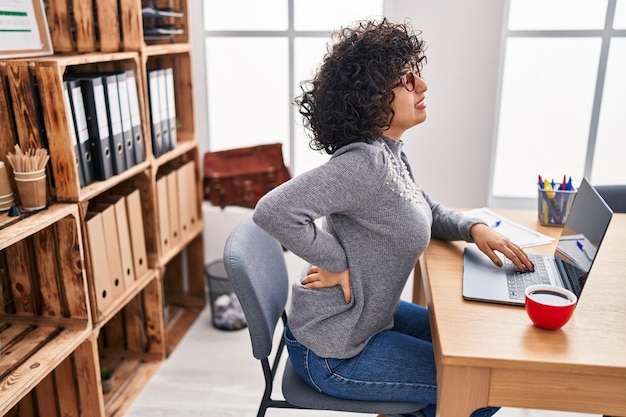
point(614, 195)
point(255, 265)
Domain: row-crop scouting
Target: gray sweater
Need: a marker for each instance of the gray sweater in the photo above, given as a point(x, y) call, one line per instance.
point(366, 226)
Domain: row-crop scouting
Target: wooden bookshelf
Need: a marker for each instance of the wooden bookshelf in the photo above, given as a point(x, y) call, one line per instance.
point(58, 330)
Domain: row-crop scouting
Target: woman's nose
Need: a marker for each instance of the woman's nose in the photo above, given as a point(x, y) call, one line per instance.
point(420, 85)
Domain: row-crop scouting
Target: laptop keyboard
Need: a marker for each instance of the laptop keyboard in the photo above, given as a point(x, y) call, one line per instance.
point(518, 281)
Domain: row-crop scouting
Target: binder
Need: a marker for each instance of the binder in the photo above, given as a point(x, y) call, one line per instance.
point(183, 203)
point(189, 170)
point(113, 254)
point(171, 106)
point(82, 132)
point(135, 117)
point(163, 101)
point(187, 198)
point(155, 112)
point(99, 263)
point(97, 125)
point(115, 122)
point(164, 216)
point(127, 129)
point(123, 234)
point(173, 209)
point(72, 127)
point(137, 234)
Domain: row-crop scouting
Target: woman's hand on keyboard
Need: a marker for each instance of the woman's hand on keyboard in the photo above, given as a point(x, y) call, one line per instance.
point(489, 240)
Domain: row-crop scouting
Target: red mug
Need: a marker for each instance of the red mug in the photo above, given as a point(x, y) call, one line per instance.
point(549, 307)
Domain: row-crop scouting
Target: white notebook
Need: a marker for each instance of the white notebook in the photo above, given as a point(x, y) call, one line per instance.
point(520, 235)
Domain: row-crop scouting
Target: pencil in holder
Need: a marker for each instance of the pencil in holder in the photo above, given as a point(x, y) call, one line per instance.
point(553, 206)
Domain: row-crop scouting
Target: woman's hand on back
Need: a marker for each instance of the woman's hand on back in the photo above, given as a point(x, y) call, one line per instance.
point(320, 278)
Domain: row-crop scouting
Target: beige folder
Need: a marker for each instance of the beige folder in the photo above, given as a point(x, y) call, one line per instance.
point(99, 261)
point(192, 193)
point(173, 207)
point(123, 234)
point(112, 242)
point(137, 235)
point(163, 214)
point(187, 194)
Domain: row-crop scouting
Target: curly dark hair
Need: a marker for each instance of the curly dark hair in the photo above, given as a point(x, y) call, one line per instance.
point(349, 99)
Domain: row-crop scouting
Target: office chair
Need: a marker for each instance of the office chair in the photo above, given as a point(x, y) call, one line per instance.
point(255, 265)
point(614, 195)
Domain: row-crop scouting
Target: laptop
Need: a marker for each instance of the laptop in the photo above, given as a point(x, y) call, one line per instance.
point(568, 267)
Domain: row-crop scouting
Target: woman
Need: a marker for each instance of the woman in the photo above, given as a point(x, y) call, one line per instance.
point(348, 333)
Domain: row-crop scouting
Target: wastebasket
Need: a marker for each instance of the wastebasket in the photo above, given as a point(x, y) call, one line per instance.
point(225, 308)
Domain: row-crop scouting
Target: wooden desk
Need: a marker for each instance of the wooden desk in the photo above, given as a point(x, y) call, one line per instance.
point(489, 354)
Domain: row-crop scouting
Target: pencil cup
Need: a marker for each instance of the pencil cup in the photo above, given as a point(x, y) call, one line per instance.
point(553, 206)
point(31, 186)
point(6, 193)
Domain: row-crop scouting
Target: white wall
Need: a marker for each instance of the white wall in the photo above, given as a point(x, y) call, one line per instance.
point(451, 152)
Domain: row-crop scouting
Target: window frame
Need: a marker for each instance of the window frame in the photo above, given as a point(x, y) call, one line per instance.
point(606, 35)
point(198, 46)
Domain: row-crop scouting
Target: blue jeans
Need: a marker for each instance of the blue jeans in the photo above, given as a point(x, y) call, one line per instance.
point(396, 365)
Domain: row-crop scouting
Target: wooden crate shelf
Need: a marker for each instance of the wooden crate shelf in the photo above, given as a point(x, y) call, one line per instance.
point(42, 266)
point(186, 167)
point(181, 319)
point(89, 26)
point(185, 290)
point(29, 353)
point(132, 372)
point(132, 344)
point(46, 316)
point(60, 382)
point(141, 183)
point(58, 329)
point(179, 22)
point(178, 58)
point(83, 26)
point(35, 87)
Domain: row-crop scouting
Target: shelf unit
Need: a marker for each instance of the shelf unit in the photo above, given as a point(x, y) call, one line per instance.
point(79, 26)
point(47, 319)
point(59, 328)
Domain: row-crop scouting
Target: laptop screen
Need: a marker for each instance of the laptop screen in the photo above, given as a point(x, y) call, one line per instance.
point(582, 235)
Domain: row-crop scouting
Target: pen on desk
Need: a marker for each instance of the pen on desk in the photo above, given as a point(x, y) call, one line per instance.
point(582, 248)
point(496, 224)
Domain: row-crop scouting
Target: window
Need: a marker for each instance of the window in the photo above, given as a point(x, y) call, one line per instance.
point(257, 53)
point(562, 95)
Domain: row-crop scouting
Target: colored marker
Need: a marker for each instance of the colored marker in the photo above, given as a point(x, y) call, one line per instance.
point(549, 189)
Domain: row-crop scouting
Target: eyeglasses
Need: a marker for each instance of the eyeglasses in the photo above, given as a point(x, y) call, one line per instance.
point(407, 80)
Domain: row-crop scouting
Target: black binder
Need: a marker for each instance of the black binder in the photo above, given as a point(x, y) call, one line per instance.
point(72, 127)
point(155, 112)
point(115, 122)
point(135, 116)
point(82, 132)
point(97, 125)
point(171, 106)
point(127, 129)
